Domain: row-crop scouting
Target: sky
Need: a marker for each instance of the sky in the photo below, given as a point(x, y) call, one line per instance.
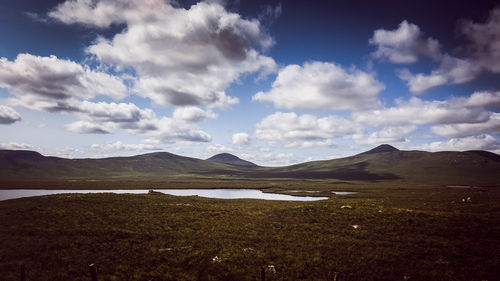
point(273, 82)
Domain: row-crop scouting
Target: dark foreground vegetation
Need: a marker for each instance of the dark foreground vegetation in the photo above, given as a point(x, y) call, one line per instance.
point(388, 233)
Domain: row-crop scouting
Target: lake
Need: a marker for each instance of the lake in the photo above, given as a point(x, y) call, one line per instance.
point(6, 194)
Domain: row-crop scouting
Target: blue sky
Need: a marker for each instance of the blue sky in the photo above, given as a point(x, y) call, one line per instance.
point(274, 82)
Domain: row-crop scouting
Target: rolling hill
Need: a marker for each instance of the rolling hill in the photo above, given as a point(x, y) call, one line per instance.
point(388, 163)
point(383, 163)
point(230, 159)
point(23, 165)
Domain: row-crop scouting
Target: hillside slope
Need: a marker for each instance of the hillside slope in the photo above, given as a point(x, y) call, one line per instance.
point(383, 163)
point(24, 165)
point(447, 167)
point(227, 158)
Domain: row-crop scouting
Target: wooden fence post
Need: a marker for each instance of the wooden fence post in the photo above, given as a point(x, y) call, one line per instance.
point(93, 272)
point(23, 272)
point(263, 274)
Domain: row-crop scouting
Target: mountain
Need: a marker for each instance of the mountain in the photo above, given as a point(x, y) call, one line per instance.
point(29, 165)
point(381, 164)
point(388, 163)
point(230, 159)
point(381, 149)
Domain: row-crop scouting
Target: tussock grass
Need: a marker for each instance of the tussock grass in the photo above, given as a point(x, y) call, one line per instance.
point(426, 233)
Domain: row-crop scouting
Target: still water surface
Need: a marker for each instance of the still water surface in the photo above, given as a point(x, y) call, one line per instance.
point(6, 194)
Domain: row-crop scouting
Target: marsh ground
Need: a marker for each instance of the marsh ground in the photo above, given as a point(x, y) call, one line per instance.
point(426, 233)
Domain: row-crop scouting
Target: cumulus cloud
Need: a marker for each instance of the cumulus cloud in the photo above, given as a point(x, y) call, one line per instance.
point(104, 118)
point(303, 130)
point(393, 134)
point(480, 142)
point(96, 13)
point(479, 100)
point(418, 112)
point(120, 146)
point(181, 56)
point(169, 130)
point(86, 127)
point(270, 159)
point(483, 55)
point(484, 99)
point(309, 144)
point(193, 114)
point(50, 78)
point(17, 146)
point(404, 44)
point(8, 115)
point(323, 85)
point(241, 139)
point(485, 41)
point(217, 148)
point(451, 71)
point(492, 125)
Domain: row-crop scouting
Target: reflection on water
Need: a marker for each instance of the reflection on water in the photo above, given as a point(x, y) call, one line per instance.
point(6, 194)
point(318, 191)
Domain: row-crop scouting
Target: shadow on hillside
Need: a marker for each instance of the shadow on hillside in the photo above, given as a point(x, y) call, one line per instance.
point(351, 172)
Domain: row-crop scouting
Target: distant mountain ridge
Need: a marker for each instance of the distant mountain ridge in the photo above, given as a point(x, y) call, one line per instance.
point(227, 158)
point(383, 163)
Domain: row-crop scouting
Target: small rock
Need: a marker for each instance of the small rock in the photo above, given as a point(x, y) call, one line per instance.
point(271, 268)
point(355, 226)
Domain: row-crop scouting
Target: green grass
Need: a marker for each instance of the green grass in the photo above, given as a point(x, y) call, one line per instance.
point(422, 232)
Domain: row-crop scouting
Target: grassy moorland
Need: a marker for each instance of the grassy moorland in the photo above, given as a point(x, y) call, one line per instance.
point(391, 231)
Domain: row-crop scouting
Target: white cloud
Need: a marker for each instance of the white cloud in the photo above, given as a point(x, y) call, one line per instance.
point(181, 57)
point(216, 149)
point(304, 130)
point(193, 114)
point(86, 127)
point(95, 13)
point(396, 134)
point(484, 98)
point(492, 125)
point(120, 146)
point(485, 41)
point(404, 44)
point(322, 85)
point(8, 115)
point(418, 112)
point(103, 118)
point(483, 54)
point(168, 130)
point(17, 146)
point(53, 79)
point(270, 159)
point(480, 142)
point(310, 143)
point(36, 17)
point(241, 139)
point(451, 71)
